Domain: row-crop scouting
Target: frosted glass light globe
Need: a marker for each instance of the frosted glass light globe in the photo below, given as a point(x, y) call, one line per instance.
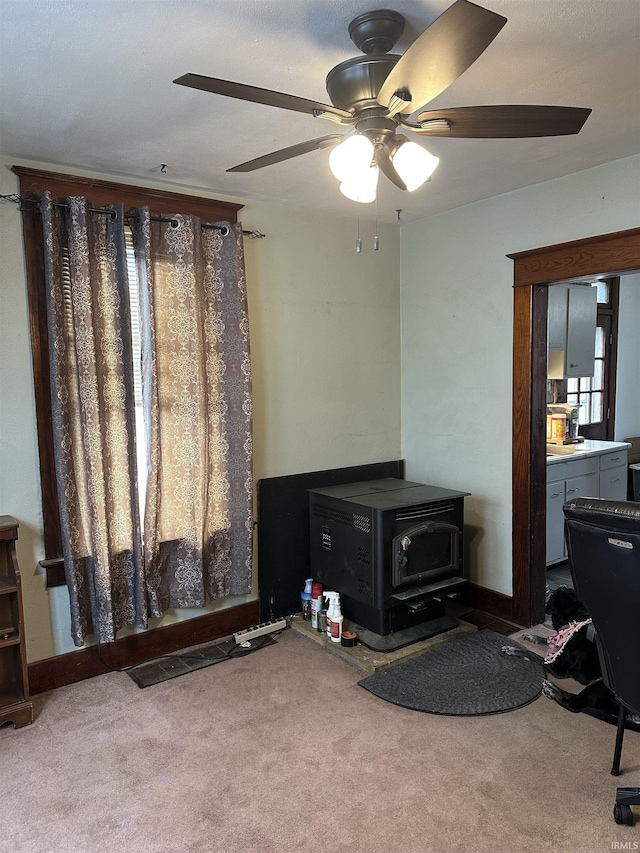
point(353, 155)
point(362, 186)
point(414, 164)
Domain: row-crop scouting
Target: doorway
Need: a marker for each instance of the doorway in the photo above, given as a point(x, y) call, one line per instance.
point(534, 270)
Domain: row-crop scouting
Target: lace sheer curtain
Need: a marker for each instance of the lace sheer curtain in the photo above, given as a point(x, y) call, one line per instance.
point(197, 398)
point(93, 422)
point(198, 527)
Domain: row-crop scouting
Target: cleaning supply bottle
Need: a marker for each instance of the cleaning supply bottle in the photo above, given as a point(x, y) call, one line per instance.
point(336, 620)
point(331, 598)
point(306, 600)
point(316, 603)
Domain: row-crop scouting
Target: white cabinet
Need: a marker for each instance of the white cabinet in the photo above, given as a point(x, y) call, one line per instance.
point(557, 313)
point(613, 476)
point(572, 330)
point(585, 486)
point(555, 522)
point(577, 478)
point(581, 331)
point(600, 475)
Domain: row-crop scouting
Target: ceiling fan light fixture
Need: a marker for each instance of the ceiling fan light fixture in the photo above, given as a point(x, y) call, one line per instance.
point(351, 157)
point(414, 164)
point(362, 186)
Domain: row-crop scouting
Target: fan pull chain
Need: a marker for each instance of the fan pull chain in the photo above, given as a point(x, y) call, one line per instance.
point(358, 240)
point(376, 240)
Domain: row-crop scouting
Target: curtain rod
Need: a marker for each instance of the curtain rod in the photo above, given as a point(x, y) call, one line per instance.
point(223, 229)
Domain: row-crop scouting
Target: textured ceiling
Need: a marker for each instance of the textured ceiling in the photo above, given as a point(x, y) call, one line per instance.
point(88, 84)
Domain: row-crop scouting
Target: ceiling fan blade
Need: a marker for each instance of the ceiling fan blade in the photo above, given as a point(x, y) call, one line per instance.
point(501, 122)
point(287, 153)
point(441, 54)
point(257, 95)
point(386, 166)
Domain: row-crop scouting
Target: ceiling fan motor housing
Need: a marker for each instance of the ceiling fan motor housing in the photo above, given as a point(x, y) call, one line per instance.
point(353, 85)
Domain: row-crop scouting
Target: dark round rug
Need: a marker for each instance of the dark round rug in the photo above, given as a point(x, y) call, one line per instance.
point(466, 677)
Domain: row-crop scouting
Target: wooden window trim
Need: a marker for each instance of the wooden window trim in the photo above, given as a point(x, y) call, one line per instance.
point(613, 309)
point(33, 182)
point(607, 315)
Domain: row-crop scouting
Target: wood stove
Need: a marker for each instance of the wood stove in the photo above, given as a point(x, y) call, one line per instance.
point(392, 548)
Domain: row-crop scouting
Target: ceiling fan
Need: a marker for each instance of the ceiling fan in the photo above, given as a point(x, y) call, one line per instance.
point(376, 95)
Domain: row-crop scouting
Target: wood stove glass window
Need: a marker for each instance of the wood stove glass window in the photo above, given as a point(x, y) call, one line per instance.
point(425, 551)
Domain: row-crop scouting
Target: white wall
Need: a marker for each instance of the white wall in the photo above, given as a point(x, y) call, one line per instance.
point(457, 320)
point(325, 340)
point(628, 373)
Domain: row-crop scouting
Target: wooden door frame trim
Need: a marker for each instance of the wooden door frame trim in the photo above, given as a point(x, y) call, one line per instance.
point(534, 270)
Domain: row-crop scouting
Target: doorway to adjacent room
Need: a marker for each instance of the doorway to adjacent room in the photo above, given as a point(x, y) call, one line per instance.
point(534, 270)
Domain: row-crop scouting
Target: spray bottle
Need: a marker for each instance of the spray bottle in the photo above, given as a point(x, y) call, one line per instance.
point(331, 598)
point(336, 620)
point(316, 603)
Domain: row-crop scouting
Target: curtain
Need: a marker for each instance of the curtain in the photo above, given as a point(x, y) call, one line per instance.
point(197, 401)
point(93, 417)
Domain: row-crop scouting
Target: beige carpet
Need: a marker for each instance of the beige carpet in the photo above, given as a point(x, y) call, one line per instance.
point(282, 751)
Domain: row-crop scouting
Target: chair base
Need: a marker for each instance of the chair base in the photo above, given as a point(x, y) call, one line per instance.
point(625, 798)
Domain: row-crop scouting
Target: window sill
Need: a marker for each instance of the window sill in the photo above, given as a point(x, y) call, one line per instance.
point(54, 570)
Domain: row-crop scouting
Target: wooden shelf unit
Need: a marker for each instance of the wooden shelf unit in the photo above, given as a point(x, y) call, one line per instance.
point(15, 705)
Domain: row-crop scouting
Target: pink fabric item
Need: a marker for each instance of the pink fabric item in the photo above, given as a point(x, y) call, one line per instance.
point(557, 642)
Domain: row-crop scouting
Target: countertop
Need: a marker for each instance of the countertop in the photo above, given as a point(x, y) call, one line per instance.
point(588, 447)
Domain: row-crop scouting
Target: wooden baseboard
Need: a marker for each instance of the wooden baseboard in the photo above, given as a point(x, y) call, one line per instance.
point(75, 666)
point(489, 601)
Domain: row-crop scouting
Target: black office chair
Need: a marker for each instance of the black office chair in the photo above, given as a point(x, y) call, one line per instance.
point(603, 541)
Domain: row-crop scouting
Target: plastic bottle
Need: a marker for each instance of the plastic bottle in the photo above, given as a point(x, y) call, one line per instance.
point(322, 621)
point(558, 426)
point(316, 603)
point(306, 600)
point(331, 598)
point(336, 621)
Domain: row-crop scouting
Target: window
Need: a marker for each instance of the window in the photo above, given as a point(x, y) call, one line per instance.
point(32, 184)
point(136, 345)
point(588, 391)
point(596, 394)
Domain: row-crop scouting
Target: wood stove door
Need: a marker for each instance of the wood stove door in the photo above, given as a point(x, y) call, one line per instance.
point(425, 552)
